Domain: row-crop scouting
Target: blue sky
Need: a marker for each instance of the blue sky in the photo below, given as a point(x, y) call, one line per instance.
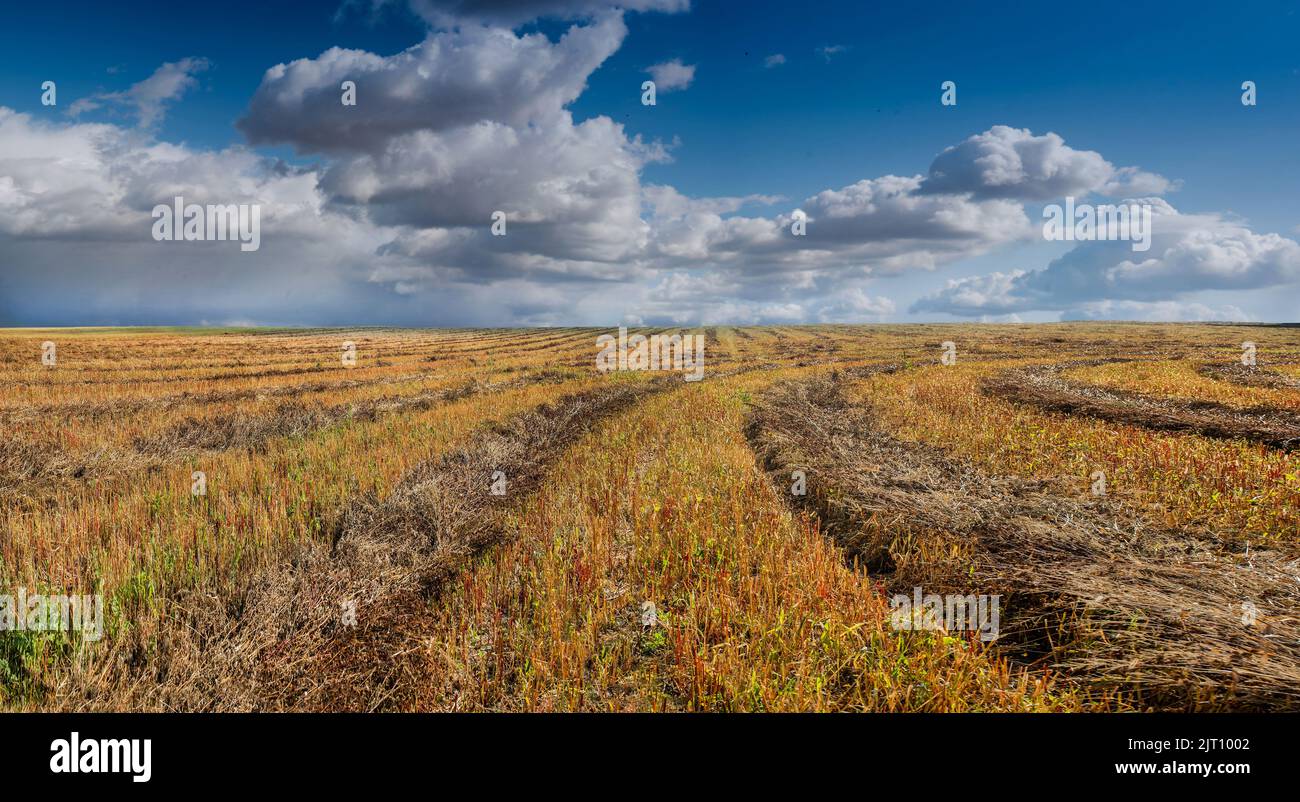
point(1152, 87)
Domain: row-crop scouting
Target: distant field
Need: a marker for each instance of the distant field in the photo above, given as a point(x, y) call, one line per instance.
point(482, 520)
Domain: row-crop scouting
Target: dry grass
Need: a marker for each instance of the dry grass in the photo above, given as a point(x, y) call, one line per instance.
point(756, 611)
point(1093, 590)
point(1233, 385)
point(1245, 493)
point(1253, 376)
point(282, 643)
point(328, 484)
point(1042, 387)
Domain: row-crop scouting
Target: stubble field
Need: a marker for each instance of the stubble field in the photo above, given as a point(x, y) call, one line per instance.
point(481, 520)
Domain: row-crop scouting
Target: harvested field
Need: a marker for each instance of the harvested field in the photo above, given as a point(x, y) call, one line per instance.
point(272, 527)
point(1182, 381)
point(283, 637)
point(1042, 387)
point(1093, 590)
point(1252, 376)
point(24, 466)
point(296, 420)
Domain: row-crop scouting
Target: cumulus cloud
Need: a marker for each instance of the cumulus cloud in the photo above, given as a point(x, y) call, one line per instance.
point(667, 203)
point(704, 298)
point(671, 75)
point(76, 225)
point(1005, 162)
point(563, 175)
point(150, 97)
point(403, 223)
point(450, 80)
point(1189, 253)
point(881, 226)
point(976, 295)
point(774, 60)
point(719, 259)
point(1129, 181)
point(471, 122)
point(393, 225)
point(855, 306)
point(571, 191)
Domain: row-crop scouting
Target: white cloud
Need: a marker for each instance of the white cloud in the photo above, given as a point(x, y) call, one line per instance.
point(450, 80)
point(879, 226)
point(855, 306)
point(150, 97)
point(394, 224)
point(1189, 253)
point(669, 204)
point(774, 60)
point(671, 75)
point(1129, 181)
point(1005, 162)
point(706, 298)
point(76, 233)
point(976, 295)
point(470, 122)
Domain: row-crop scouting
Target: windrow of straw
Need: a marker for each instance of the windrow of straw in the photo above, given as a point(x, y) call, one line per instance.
point(28, 468)
point(287, 642)
point(1043, 387)
point(1251, 376)
point(1089, 588)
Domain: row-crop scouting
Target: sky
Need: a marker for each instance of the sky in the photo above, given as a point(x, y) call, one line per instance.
point(798, 164)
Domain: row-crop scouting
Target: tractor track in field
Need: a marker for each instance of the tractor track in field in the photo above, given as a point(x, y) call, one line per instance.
point(1042, 387)
point(172, 379)
point(239, 430)
point(292, 365)
point(1090, 588)
point(31, 469)
point(1250, 376)
point(118, 408)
